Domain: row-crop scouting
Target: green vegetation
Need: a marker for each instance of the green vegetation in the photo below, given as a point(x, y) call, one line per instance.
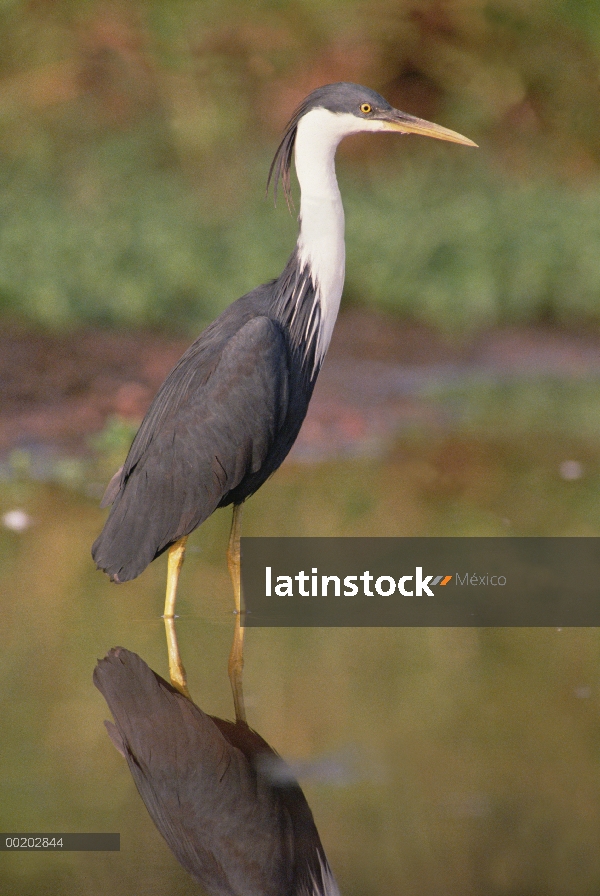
point(448, 243)
point(135, 140)
point(459, 246)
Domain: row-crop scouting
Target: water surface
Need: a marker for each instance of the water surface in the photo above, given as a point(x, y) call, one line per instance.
point(435, 760)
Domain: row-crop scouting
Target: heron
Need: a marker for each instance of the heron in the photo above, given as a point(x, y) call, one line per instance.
point(224, 801)
point(230, 410)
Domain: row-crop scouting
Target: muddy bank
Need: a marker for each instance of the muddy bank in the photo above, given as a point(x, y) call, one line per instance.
point(57, 390)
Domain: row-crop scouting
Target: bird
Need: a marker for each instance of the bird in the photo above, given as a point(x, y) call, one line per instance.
point(229, 412)
point(222, 798)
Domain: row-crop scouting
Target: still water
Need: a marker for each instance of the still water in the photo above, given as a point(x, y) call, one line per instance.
point(436, 761)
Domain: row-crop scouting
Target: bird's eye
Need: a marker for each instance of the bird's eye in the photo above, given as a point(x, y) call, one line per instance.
point(365, 108)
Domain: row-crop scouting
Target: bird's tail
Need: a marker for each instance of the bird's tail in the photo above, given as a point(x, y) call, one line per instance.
point(132, 537)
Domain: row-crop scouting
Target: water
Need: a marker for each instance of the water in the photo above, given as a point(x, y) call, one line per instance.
point(435, 761)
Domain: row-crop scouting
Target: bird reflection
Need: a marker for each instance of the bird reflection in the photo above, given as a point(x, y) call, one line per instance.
point(225, 802)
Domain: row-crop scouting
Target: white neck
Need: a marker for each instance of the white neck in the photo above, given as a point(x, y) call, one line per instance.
point(321, 240)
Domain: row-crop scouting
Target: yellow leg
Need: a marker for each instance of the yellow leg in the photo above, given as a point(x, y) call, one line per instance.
point(175, 562)
point(236, 657)
point(176, 670)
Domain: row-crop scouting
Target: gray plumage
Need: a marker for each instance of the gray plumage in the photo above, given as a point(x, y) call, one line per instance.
point(224, 420)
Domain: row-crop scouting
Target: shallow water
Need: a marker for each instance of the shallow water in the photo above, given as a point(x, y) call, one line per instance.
point(435, 760)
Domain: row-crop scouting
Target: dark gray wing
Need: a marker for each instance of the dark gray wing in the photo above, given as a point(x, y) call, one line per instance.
point(222, 820)
point(213, 423)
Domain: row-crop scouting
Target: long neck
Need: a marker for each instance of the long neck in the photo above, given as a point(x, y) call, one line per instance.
point(321, 248)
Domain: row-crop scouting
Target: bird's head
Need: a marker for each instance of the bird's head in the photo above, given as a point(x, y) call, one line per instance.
point(338, 110)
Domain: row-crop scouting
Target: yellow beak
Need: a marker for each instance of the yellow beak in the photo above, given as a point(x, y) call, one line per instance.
point(402, 123)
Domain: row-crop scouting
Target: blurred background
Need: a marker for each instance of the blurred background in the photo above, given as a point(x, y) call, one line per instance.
point(460, 397)
point(135, 136)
